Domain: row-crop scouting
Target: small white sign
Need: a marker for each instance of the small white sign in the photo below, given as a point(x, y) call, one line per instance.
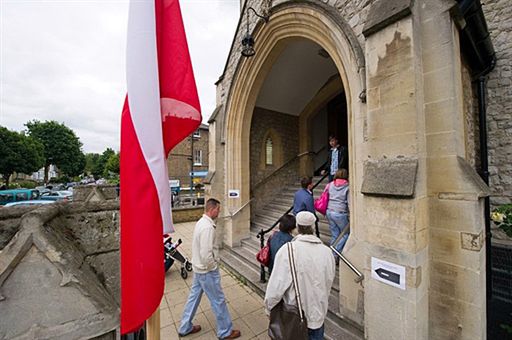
point(388, 273)
point(174, 183)
point(234, 193)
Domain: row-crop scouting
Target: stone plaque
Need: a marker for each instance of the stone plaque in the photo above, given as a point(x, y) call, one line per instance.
point(390, 177)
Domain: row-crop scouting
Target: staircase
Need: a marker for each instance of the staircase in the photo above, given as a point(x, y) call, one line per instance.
point(241, 261)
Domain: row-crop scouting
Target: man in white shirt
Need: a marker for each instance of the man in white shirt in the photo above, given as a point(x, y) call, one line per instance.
point(207, 277)
point(314, 263)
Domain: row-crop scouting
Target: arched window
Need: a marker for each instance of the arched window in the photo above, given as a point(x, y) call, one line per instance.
point(269, 151)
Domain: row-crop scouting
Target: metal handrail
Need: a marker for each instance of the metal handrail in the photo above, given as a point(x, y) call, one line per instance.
point(240, 209)
point(360, 276)
point(261, 234)
point(294, 158)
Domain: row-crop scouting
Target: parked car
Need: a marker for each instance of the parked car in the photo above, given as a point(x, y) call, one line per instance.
point(25, 203)
point(16, 195)
point(62, 195)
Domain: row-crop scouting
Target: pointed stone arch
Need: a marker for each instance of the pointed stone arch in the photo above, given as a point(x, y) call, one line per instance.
point(288, 22)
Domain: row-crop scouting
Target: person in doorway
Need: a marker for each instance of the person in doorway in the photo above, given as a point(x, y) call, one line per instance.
point(207, 277)
point(338, 210)
point(337, 158)
point(278, 239)
point(315, 269)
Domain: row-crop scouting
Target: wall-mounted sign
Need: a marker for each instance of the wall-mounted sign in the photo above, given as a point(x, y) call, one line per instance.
point(174, 183)
point(234, 193)
point(388, 273)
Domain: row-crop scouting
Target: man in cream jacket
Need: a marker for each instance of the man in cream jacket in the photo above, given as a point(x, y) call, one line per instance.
point(207, 277)
point(315, 267)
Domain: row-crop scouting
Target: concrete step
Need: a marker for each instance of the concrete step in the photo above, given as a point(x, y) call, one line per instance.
point(238, 261)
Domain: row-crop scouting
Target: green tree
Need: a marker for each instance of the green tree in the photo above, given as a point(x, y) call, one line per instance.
point(112, 165)
point(99, 169)
point(18, 153)
point(61, 147)
point(91, 161)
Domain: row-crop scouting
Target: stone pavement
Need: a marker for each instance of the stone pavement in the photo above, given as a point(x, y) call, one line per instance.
point(245, 306)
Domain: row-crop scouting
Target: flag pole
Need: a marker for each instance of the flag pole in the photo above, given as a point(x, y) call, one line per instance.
point(153, 326)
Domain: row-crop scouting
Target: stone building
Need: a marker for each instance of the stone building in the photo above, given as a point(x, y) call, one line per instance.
point(403, 84)
point(180, 163)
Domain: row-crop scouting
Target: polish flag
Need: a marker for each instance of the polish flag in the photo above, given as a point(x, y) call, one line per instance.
point(160, 110)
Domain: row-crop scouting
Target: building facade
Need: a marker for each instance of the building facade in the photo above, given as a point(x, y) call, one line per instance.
point(188, 161)
point(402, 83)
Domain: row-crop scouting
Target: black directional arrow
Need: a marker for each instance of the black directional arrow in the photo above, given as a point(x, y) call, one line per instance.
point(387, 275)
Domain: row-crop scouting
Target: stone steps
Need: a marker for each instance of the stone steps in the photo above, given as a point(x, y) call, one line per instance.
point(241, 261)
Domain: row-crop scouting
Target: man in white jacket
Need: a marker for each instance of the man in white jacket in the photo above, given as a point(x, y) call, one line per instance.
point(207, 277)
point(315, 267)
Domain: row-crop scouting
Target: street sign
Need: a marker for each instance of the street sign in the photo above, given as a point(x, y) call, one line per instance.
point(388, 273)
point(198, 173)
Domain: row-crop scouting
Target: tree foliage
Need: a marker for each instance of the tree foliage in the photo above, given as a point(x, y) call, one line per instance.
point(19, 153)
point(99, 169)
point(91, 161)
point(112, 165)
point(61, 146)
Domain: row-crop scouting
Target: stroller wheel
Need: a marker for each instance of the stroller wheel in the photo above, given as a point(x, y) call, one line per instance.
point(184, 273)
point(188, 266)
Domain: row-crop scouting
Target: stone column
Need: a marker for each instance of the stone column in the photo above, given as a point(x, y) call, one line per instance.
point(422, 201)
point(457, 294)
point(394, 202)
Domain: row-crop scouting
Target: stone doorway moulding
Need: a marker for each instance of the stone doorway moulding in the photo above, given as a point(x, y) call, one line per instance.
point(288, 21)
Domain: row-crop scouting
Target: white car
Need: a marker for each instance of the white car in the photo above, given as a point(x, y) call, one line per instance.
point(62, 195)
point(25, 203)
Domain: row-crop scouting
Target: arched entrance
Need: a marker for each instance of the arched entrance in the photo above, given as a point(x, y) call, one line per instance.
point(289, 23)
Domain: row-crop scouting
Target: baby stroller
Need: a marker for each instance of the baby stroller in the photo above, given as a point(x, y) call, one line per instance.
point(172, 254)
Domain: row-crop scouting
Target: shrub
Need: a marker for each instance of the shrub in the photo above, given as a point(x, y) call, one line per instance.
point(502, 217)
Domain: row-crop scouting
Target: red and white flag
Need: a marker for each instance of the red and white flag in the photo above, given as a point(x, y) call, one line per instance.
point(161, 109)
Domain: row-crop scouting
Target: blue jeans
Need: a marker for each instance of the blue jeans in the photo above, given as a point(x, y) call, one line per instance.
point(337, 223)
point(210, 284)
point(316, 334)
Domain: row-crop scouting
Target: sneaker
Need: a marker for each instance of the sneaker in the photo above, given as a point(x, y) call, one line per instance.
point(235, 333)
point(195, 329)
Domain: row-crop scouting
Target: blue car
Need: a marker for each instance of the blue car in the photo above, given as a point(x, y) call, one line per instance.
point(17, 195)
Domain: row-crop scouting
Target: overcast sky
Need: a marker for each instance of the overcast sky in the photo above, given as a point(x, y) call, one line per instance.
point(64, 60)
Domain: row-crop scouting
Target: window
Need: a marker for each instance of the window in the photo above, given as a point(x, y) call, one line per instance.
point(198, 157)
point(21, 196)
point(268, 151)
point(197, 134)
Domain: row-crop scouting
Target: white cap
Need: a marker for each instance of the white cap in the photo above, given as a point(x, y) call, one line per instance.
point(305, 218)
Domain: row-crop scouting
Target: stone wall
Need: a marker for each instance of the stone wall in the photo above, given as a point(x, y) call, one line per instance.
point(63, 266)
point(95, 228)
point(85, 193)
point(471, 127)
point(180, 215)
point(10, 222)
point(285, 147)
point(498, 14)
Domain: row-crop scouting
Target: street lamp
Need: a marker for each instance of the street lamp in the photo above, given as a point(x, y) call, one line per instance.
point(248, 41)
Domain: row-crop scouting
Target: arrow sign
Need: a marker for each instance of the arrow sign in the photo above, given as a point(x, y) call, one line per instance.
point(389, 273)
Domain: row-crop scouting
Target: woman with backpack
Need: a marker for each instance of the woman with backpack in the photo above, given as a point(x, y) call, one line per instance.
point(338, 208)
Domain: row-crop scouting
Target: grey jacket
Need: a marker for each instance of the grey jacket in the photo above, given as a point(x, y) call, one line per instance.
point(338, 198)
